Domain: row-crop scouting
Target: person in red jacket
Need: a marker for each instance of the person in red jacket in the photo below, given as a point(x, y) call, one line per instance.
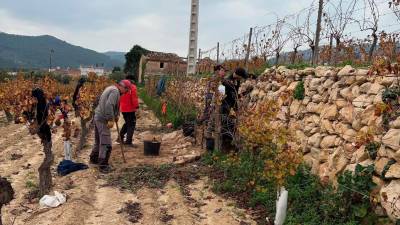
point(129, 104)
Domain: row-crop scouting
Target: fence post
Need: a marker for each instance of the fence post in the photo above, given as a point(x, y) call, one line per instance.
point(248, 50)
point(318, 33)
point(199, 61)
point(218, 53)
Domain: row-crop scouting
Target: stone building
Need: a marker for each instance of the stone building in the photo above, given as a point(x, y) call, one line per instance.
point(159, 63)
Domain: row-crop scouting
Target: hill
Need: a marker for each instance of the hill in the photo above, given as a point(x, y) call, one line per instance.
point(17, 51)
point(117, 56)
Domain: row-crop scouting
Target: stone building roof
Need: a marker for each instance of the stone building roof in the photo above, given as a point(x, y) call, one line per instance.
point(161, 56)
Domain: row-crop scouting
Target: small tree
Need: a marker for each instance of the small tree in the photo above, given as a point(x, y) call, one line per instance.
point(395, 6)
point(116, 69)
point(307, 32)
point(263, 135)
point(370, 21)
point(297, 38)
point(278, 39)
point(133, 60)
point(337, 18)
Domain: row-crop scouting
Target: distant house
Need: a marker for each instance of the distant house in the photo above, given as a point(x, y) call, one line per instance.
point(74, 73)
point(85, 70)
point(12, 73)
point(206, 65)
point(160, 63)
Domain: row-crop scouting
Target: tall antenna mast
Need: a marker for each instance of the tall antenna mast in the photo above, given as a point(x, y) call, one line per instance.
point(193, 37)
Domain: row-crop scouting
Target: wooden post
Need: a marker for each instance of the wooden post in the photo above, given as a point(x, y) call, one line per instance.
point(199, 61)
point(318, 32)
point(218, 127)
point(177, 67)
point(218, 53)
point(248, 50)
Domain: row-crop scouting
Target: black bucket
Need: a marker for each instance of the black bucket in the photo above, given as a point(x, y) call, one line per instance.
point(210, 144)
point(188, 129)
point(152, 148)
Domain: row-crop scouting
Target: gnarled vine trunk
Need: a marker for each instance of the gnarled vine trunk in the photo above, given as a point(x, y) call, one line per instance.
point(9, 116)
point(45, 180)
point(338, 50)
point(6, 194)
point(294, 56)
point(84, 133)
point(277, 55)
point(373, 46)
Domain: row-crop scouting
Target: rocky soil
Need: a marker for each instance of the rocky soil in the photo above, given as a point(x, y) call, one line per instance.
point(90, 197)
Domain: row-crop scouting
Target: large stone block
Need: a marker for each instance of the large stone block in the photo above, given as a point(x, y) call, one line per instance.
point(347, 94)
point(362, 101)
point(329, 112)
point(392, 139)
point(375, 89)
point(337, 161)
point(328, 141)
point(346, 71)
point(359, 155)
point(380, 165)
point(364, 88)
point(315, 140)
point(393, 172)
point(389, 195)
point(347, 114)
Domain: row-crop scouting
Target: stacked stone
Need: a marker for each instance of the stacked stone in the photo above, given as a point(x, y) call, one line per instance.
point(339, 105)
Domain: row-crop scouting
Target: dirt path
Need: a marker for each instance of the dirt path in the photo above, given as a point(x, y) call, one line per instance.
point(90, 201)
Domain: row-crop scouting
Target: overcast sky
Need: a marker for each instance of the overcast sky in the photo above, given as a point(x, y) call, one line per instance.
point(160, 25)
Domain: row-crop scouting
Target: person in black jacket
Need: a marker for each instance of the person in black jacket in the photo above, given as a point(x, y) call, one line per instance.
point(78, 87)
point(229, 103)
point(42, 113)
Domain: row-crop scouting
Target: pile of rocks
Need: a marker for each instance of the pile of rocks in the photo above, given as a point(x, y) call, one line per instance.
point(338, 107)
point(193, 88)
point(182, 147)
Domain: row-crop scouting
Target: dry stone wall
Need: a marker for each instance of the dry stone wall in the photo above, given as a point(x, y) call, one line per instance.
point(339, 111)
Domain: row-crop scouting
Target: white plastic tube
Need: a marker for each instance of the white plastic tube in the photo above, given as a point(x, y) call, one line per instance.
point(67, 150)
point(281, 206)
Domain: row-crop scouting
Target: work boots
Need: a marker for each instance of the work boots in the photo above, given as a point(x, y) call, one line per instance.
point(94, 158)
point(104, 167)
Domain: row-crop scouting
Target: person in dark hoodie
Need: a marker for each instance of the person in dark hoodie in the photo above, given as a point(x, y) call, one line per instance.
point(41, 114)
point(230, 103)
point(78, 87)
point(106, 113)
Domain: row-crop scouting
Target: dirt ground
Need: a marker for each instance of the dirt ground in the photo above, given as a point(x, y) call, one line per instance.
point(90, 201)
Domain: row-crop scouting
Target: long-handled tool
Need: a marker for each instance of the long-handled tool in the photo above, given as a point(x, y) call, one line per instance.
point(121, 143)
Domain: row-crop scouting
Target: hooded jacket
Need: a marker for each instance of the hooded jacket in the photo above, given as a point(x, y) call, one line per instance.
point(129, 102)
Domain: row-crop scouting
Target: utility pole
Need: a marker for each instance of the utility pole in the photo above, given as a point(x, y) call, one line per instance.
point(246, 60)
point(318, 32)
point(51, 52)
point(199, 57)
point(193, 38)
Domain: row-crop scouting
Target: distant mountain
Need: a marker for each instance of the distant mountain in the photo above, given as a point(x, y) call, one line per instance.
point(117, 56)
point(33, 52)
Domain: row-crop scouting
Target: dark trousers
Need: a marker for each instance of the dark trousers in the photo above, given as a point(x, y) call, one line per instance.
point(102, 146)
point(129, 126)
point(228, 127)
